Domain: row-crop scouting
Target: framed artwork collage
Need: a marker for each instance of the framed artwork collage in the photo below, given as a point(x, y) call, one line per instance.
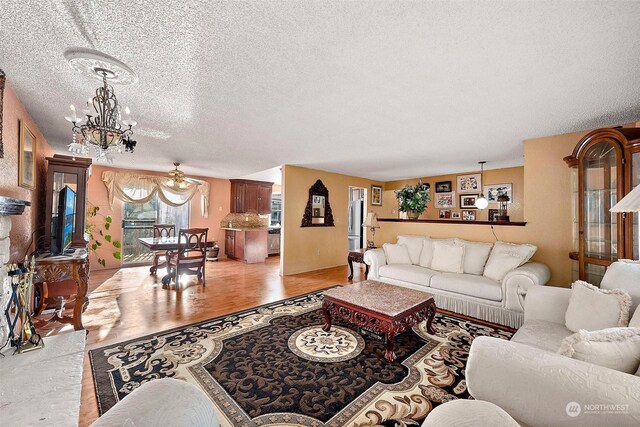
point(468, 189)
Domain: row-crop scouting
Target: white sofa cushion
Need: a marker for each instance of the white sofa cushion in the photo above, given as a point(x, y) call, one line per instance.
point(591, 308)
point(447, 257)
point(407, 273)
point(426, 256)
point(414, 245)
point(505, 257)
point(468, 413)
point(615, 348)
point(624, 274)
point(475, 256)
point(468, 284)
point(396, 254)
point(542, 334)
point(635, 319)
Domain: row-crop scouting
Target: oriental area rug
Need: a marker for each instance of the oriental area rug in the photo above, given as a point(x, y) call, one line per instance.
point(273, 366)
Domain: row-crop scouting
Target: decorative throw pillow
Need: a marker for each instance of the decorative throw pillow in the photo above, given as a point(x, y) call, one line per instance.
point(447, 256)
point(475, 256)
point(396, 254)
point(624, 274)
point(414, 245)
point(505, 257)
point(591, 308)
point(426, 256)
point(615, 348)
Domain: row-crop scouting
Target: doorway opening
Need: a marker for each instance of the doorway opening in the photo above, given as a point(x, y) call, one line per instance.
point(356, 214)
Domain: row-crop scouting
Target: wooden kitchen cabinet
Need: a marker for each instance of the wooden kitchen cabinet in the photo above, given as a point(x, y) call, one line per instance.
point(248, 246)
point(251, 196)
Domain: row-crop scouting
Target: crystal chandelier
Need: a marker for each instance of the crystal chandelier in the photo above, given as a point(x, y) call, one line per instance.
point(104, 129)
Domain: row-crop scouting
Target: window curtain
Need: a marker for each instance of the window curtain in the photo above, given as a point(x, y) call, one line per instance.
point(136, 188)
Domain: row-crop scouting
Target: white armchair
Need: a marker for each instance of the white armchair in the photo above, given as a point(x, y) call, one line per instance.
point(535, 385)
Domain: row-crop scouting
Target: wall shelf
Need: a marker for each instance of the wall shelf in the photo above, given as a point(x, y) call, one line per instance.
point(457, 221)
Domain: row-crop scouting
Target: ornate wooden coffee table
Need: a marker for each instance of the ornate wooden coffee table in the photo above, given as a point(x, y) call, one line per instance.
point(379, 308)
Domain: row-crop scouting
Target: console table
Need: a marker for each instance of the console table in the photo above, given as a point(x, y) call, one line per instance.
point(42, 387)
point(357, 255)
point(52, 269)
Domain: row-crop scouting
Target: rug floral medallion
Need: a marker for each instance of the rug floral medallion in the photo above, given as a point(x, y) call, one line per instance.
point(275, 366)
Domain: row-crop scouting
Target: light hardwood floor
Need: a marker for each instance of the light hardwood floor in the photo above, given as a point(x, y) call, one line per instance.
point(129, 303)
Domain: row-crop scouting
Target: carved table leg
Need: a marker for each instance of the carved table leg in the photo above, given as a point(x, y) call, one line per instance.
point(430, 316)
point(327, 317)
point(389, 354)
point(366, 271)
point(350, 261)
point(80, 275)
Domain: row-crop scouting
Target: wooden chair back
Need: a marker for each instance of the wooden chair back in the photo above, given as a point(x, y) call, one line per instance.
point(192, 244)
point(164, 230)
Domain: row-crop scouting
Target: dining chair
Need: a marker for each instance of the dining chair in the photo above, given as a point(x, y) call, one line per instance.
point(190, 256)
point(159, 231)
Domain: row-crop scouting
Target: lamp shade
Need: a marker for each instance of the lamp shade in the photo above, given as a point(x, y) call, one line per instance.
point(629, 203)
point(371, 221)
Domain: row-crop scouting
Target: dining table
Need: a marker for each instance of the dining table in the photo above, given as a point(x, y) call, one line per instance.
point(166, 244)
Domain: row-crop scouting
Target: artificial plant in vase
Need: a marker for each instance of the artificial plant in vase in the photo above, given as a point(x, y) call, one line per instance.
point(97, 228)
point(413, 199)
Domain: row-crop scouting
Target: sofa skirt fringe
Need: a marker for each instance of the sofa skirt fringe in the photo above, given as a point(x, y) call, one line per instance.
point(497, 315)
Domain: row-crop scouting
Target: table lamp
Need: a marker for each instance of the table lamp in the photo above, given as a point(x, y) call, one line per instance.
point(372, 223)
point(629, 203)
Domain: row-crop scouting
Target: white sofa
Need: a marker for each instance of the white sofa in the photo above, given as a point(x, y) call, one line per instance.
point(535, 385)
point(162, 402)
point(468, 291)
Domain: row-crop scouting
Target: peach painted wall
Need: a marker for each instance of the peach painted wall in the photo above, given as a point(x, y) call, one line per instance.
point(219, 206)
point(22, 226)
point(313, 248)
point(543, 199)
point(513, 176)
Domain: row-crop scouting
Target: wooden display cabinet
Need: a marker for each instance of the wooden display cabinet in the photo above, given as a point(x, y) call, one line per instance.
point(606, 166)
point(65, 171)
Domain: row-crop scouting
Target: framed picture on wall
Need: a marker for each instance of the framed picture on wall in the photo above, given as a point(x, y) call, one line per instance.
point(445, 200)
point(443, 187)
point(27, 157)
point(455, 215)
point(376, 195)
point(468, 201)
point(468, 215)
point(469, 183)
point(493, 214)
point(493, 191)
point(444, 214)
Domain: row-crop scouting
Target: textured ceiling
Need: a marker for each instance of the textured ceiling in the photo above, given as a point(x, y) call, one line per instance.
point(384, 90)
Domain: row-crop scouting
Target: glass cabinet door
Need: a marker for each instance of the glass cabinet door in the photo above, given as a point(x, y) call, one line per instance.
point(599, 227)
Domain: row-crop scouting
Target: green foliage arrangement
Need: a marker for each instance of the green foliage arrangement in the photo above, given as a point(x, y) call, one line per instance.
point(97, 228)
point(413, 198)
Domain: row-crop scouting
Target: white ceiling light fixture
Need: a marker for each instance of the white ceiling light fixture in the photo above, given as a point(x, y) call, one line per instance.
point(105, 130)
point(481, 201)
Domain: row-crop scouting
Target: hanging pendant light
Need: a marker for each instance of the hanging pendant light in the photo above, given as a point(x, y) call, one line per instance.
point(481, 201)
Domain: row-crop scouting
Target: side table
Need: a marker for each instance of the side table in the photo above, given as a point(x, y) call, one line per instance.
point(357, 255)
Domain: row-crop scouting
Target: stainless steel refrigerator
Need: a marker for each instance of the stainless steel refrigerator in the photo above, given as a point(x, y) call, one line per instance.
point(356, 209)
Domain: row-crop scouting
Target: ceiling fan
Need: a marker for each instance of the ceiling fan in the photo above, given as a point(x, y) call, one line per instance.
point(177, 178)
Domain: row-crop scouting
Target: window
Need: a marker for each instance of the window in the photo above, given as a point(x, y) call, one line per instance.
point(276, 210)
point(138, 220)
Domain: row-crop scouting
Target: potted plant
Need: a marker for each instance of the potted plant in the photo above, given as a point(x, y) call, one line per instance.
point(413, 199)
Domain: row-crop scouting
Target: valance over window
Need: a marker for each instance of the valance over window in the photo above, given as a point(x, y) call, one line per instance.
point(136, 188)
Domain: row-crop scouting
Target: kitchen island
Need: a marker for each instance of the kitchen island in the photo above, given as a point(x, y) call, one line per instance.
point(249, 245)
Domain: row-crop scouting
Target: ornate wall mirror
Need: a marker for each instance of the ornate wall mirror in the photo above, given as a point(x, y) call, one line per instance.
point(318, 211)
